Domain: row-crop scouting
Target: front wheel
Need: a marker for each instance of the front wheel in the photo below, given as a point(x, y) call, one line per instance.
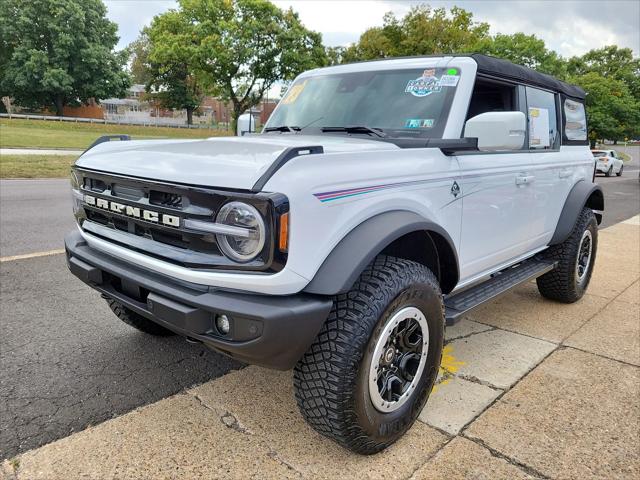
point(619, 174)
point(367, 376)
point(575, 258)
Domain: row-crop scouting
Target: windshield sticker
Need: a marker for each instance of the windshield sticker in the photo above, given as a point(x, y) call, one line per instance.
point(419, 123)
point(425, 85)
point(449, 80)
point(294, 92)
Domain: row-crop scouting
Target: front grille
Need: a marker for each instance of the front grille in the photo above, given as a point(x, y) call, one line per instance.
point(165, 199)
point(166, 240)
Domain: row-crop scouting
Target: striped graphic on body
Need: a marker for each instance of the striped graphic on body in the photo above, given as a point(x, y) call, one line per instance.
point(352, 192)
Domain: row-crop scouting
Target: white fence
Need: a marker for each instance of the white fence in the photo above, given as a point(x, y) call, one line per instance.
point(117, 119)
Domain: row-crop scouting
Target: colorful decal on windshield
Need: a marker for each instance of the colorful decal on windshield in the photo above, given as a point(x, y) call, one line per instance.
point(425, 85)
point(449, 80)
point(419, 123)
point(294, 92)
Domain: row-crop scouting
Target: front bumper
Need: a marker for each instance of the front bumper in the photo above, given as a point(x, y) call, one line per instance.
point(271, 331)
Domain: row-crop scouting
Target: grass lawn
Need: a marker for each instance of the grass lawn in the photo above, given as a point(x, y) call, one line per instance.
point(52, 134)
point(35, 166)
point(625, 157)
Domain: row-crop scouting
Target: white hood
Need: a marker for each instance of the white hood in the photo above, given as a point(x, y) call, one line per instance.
point(228, 162)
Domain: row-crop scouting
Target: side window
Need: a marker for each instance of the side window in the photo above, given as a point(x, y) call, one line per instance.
point(543, 120)
point(575, 121)
point(491, 96)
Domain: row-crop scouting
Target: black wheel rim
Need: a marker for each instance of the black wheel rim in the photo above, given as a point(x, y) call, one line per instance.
point(399, 359)
point(583, 261)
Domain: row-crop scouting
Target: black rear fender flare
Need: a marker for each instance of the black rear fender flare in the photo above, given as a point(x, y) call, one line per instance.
point(583, 194)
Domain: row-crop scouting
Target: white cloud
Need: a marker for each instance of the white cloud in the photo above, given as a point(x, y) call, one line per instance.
point(568, 27)
point(133, 15)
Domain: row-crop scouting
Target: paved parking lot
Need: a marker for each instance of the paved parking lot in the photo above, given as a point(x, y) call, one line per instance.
point(529, 389)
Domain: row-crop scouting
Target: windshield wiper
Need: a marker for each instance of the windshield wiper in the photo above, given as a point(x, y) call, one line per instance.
point(282, 128)
point(356, 129)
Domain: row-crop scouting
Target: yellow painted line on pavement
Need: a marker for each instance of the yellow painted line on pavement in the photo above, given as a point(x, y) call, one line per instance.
point(31, 255)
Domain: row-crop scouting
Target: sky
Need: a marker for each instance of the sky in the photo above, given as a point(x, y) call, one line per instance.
point(568, 27)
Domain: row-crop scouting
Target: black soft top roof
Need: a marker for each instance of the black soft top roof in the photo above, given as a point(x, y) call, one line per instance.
point(505, 69)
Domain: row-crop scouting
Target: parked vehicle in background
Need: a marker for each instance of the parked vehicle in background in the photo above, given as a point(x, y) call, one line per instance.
point(382, 201)
point(608, 162)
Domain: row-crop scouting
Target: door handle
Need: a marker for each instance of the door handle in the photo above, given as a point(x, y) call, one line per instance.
point(565, 172)
point(525, 179)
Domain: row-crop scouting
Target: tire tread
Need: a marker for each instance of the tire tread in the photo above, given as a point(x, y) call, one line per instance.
point(559, 284)
point(325, 377)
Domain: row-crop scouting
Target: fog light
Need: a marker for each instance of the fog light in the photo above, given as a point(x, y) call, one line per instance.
point(223, 324)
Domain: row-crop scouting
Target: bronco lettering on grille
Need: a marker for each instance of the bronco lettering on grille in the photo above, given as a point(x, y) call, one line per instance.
point(135, 212)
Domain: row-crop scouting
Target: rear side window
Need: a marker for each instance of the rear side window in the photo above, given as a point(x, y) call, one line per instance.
point(543, 120)
point(575, 121)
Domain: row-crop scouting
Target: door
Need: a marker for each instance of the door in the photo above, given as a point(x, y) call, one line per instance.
point(497, 209)
point(555, 172)
point(497, 190)
point(617, 161)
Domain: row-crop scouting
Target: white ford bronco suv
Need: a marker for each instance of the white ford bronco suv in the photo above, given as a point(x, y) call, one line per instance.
point(382, 201)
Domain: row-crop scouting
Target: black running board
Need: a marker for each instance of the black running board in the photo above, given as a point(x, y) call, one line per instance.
point(461, 303)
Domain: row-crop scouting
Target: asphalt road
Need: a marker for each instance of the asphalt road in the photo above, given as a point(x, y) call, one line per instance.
point(621, 194)
point(34, 215)
point(66, 362)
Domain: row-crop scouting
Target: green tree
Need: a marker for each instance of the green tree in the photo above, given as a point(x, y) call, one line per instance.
point(243, 47)
point(139, 64)
point(610, 62)
point(59, 52)
point(172, 63)
point(422, 31)
point(612, 112)
point(527, 50)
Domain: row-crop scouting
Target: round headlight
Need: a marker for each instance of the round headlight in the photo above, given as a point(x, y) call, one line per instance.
point(248, 242)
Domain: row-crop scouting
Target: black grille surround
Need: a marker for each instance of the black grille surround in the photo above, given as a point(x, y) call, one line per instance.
point(175, 244)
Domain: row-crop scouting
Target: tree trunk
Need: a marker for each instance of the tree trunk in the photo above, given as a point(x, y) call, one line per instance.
point(237, 111)
point(59, 104)
point(615, 142)
point(593, 143)
point(189, 115)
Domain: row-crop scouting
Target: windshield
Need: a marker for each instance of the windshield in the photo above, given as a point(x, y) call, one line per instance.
point(399, 103)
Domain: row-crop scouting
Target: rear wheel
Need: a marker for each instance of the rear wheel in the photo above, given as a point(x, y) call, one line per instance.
point(575, 258)
point(367, 376)
point(136, 320)
point(609, 172)
point(619, 174)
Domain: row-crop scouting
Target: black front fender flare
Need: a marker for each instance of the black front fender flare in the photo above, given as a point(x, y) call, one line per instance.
point(583, 194)
point(358, 248)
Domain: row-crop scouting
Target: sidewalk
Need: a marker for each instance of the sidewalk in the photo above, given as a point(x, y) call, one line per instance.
point(529, 389)
point(39, 151)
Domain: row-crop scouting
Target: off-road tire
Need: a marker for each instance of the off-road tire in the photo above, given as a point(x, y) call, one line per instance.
point(619, 174)
point(331, 379)
point(136, 320)
point(562, 283)
point(609, 172)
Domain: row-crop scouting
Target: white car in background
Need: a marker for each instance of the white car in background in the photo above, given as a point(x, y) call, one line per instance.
point(608, 162)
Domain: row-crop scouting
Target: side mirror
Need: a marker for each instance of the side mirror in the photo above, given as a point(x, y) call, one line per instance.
point(497, 130)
